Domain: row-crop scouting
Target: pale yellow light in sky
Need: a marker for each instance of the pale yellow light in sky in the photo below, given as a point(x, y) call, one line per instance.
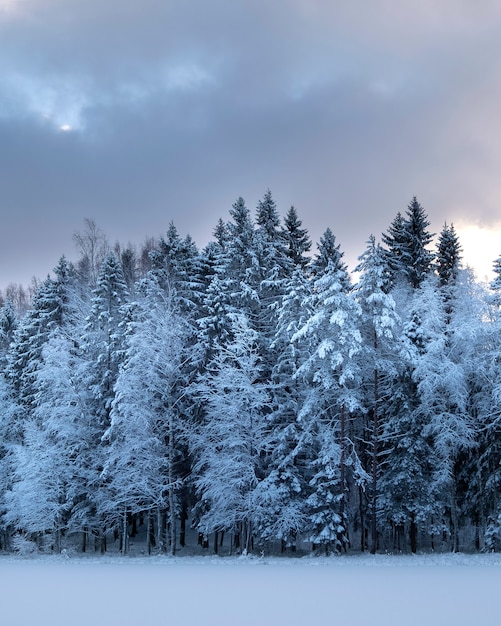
point(10, 6)
point(481, 247)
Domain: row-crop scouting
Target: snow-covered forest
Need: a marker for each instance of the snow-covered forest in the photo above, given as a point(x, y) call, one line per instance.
point(255, 394)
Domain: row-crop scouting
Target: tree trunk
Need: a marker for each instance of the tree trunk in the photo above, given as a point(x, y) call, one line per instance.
point(57, 540)
point(103, 545)
point(148, 534)
point(361, 510)
point(413, 534)
point(375, 428)
point(454, 520)
point(236, 538)
point(182, 529)
point(172, 508)
point(343, 540)
point(248, 530)
point(161, 527)
point(172, 522)
point(124, 531)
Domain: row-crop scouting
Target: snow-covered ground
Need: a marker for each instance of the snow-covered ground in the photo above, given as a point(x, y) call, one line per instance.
point(210, 591)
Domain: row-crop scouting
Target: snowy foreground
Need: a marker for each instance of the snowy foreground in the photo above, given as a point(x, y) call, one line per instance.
point(355, 590)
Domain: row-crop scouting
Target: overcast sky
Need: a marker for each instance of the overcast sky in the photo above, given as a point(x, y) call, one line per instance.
point(141, 112)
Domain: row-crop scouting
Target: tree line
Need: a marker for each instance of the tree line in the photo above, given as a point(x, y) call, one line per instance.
point(256, 392)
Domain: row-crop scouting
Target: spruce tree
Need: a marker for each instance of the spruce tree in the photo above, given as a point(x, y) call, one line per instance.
point(395, 241)
point(53, 306)
point(330, 253)
point(8, 325)
point(229, 445)
point(332, 373)
point(296, 238)
point(495, 285)
point(407, 240)
point(448, 257)
point(286, 478)
point(379, 326)
point(142, 470)
point(103, 349)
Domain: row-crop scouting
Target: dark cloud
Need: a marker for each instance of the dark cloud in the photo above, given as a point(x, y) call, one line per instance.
point(137, 114)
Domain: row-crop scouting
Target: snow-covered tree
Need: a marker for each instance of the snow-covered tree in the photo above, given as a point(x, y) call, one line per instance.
point(103, 340)
point(8, 324)
point(407, 244)
point(176, 265)
point(395, 240)
point(332, 372)
point(442, 387)
point(52, 307)
point(406, 494)
point(142, 470)
point(495, 284)
point(52, 477)
point(448, 257)
point(480, 474)
point(274, 266)
point(296, 238)
point(241, 270)
point(9, 439)
point(287, 471)
point(329, 252)
point(379, 325)
point(229, 445)
point(103, 351)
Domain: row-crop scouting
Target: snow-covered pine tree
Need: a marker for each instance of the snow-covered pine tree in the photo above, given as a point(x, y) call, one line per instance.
point(103, 350)
point(407, 501)
point(64, 415)
point(103, 340)
point(480, 475)
point(241, 270)
point(285, 484)
point(8, 324)
point(428, 422)
point(297, 240)
point(442, 387)
point(176, 264)
point(274, 266)
point(9, 439)
point(495, 285)
point(407, 240)
point(228, 446)
point(378, 363)
point(51, 481)
point(142, 469)
point(216, 303)
point(52, 307)
point(214, 319)
point(329, 252)
point(448, 256)
point(44, 478)
point(395, 240)
point(332, 372)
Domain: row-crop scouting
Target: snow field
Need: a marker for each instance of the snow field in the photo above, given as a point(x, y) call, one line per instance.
point(347, 591)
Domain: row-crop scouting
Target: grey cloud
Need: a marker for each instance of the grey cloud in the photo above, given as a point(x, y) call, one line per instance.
point(345, 110)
